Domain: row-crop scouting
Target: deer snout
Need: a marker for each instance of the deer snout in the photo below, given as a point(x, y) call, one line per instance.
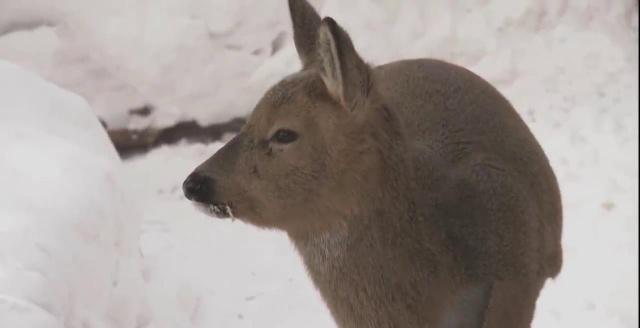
point(199, 188)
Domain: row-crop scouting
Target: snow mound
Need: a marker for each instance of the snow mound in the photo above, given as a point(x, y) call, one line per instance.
point(68, 241)
point(210, 60)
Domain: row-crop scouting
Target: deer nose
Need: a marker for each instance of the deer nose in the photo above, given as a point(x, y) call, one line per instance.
point(198, 188)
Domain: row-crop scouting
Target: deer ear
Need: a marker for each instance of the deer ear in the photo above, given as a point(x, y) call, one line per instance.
point(345, 74)
point(306, 22)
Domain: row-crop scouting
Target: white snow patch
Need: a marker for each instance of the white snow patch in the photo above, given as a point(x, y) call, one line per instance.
point(210, 60)
point(68, 239)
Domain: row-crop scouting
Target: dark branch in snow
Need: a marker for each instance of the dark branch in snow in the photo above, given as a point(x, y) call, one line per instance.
point(131, 142)
point(24, 25)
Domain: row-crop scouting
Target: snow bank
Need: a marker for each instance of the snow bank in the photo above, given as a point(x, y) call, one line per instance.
point(68, 241)
point(212, 59)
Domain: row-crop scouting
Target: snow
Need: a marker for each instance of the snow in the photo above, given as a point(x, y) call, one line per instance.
point(68, 235)
point(570, 67)
point(191, 59)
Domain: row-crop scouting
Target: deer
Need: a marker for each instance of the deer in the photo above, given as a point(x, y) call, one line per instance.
point(414, 193)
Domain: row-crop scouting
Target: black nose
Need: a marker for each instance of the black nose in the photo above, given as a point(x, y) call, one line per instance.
point(198, 187)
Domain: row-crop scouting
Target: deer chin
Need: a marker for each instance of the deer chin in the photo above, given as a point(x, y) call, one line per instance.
point(216, 210)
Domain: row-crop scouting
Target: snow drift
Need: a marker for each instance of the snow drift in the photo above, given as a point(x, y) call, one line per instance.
point(210, 60)
point(68, 239)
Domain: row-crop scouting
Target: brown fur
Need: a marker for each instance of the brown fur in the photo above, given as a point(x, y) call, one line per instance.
point(415, 194)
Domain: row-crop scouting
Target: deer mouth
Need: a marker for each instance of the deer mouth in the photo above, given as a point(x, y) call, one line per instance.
point(217, 210)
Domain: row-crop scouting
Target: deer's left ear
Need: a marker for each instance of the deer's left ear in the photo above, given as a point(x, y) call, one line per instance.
point(346, 75)
point(306, 23)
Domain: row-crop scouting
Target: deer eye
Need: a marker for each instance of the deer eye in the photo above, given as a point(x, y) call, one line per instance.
point(284, 136)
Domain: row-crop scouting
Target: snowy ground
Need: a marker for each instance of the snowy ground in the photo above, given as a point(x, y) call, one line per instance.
point(569, 67)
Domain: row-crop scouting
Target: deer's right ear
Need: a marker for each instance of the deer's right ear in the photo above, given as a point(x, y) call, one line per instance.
point(306, 23)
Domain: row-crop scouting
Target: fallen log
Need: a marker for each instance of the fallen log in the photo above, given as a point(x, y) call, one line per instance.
point(130, 142)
